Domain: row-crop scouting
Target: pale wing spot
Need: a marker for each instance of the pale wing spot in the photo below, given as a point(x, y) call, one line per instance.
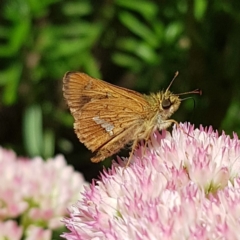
point(98, 120)
point(104, 124)
point(109, 127)
point(108, 94)
point(88, 86)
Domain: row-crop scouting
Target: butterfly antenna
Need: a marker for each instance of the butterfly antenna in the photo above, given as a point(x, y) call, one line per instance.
point(196, 91)
point(170, 84)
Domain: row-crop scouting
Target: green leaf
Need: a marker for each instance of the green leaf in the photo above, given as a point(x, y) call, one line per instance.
point(173, 32)
point(139, 48)
point(48, 143)
point(66, 48)
point(91, 66)
point(77, 8)
point(10, 79)
point(17, 38)
point(147, 9)
point(16, 11)
point(200, 7)
point(32, 130)
point(126, 60)
point(138, 28)
point(71, 46)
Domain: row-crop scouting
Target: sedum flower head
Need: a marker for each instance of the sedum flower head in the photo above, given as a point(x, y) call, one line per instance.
point(10, 230)
point(35, 194)
point(182, 186)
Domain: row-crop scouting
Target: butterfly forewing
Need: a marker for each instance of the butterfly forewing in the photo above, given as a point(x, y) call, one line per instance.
point(105, 115)
point(106, 120)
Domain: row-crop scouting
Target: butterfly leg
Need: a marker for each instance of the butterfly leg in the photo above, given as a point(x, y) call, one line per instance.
point(134, 147)
point(131, 153)
point(146, 141)
point(173, 121)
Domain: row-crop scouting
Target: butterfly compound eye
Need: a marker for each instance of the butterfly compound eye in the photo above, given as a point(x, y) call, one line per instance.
point(166, 103)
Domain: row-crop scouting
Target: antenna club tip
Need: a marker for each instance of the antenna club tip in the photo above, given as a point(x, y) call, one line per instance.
point(199, 91)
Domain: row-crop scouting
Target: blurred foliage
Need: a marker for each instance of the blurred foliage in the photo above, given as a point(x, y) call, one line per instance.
point(135, 44)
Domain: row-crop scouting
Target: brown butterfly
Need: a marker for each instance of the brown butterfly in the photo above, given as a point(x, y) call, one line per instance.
point(108, 117)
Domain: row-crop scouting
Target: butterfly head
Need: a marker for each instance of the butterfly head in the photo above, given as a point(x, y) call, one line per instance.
point(170, 102)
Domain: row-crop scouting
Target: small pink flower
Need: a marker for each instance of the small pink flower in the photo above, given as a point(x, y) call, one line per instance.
point(37, 233)
point(37, 192)
point(183, 186)
point(10, 230)
point(12, 202)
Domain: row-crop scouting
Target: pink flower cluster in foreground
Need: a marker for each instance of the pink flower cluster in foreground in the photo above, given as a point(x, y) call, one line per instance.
point(34, 195)
point(182, 186)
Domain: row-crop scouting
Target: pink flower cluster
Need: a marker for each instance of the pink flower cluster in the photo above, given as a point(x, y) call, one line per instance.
point(34, 195)
point(182, 186)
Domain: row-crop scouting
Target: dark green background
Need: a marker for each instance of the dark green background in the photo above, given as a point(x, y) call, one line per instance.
point(136, 44)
